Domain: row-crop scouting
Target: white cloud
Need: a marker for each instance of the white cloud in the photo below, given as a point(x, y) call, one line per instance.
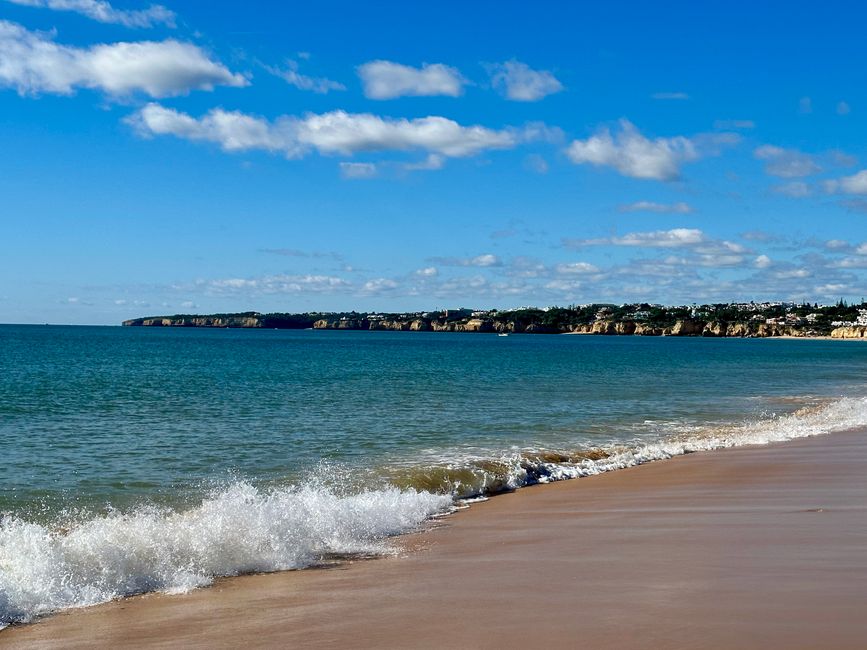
point(762, 262)
point(103, 12)
point(649, 206)
point(794, 189)
point(786, 163)
point(852, 263)
point(32, 63)
point(576, 268)
point(793, 274)
point(357, 170)
point(634, 155)
point(379, 285)
point(274, 284)
point(855, 184)
point(291, 75)
point(427, 272)
point(336, 132)
point(676, 96)
point(486, 260)
point(388, 80)
point(520, 83)
point(673, 238)
point(689, 238)
point(432, 162)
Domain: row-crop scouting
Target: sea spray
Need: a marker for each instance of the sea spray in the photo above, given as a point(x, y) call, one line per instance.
point(238, 530)
point(244, 529)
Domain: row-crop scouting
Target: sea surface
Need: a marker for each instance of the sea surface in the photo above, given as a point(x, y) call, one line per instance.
point(145, 459)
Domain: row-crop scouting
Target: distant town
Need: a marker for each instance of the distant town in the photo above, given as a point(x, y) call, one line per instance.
point(743, 319)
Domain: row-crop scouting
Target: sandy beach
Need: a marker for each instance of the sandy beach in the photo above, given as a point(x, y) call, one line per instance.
point(755, 547)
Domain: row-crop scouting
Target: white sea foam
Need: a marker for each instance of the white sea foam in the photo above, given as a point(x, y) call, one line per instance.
point(239, 530)
point(243, 529)
point(839, 415)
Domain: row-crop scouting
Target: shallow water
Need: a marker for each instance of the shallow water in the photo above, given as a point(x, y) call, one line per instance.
point(137, 459)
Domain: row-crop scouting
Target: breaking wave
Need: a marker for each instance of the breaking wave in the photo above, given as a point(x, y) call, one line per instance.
point(239, 530)
point(245, 529)
point(482, 477)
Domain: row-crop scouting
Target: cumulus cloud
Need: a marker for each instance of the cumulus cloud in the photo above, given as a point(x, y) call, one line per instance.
point(786, 163)
point(649, 206)
point(336, 132)
point(673, 238)
point(103, 12)
point(357, 170)
point(576, 268)
point(379, 285)
point(855, 184)
point(634, 155)
point(388, 80)
point(291, 75)
point(691, 238)
point(519, 82)
point(32, 63)
point(762, 262)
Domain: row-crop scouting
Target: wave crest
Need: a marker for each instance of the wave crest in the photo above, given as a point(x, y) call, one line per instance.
point(239, 530)
point(243, 529)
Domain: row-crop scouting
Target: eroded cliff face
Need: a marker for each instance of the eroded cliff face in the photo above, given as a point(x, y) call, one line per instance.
point(197, 321)
point(850, 332)
point(684, 327)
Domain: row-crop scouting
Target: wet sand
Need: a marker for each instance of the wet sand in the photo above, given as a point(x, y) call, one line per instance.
point(761, 547)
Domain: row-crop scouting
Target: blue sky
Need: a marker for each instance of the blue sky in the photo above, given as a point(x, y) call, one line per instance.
point(202, 157)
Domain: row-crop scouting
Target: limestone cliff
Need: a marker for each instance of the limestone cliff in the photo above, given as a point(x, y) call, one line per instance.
point(850, 332)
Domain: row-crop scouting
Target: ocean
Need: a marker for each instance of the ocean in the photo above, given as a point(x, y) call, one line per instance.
point(157, 459)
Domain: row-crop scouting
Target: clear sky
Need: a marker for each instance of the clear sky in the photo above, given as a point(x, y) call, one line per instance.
point(212, 156)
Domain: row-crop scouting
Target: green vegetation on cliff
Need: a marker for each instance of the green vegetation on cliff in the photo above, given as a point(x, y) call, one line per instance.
point(719, 319)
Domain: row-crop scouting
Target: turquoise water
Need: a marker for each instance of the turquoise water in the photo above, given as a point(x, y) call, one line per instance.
point(212, 452)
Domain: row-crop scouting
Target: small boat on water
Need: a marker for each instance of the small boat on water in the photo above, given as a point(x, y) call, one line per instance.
point(502, 334)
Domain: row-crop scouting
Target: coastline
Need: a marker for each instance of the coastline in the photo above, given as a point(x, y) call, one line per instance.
point(757, 546)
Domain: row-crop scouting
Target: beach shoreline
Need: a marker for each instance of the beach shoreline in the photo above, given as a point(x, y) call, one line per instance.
point(755, 546)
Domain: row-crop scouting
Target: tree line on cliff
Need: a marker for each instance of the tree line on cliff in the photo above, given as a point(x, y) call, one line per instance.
point(718, 319)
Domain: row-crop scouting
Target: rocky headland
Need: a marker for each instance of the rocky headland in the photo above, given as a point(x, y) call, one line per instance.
point(732, 321)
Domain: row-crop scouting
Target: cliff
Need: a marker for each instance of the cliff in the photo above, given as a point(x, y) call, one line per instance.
point(850, 332)
point(742, 320)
